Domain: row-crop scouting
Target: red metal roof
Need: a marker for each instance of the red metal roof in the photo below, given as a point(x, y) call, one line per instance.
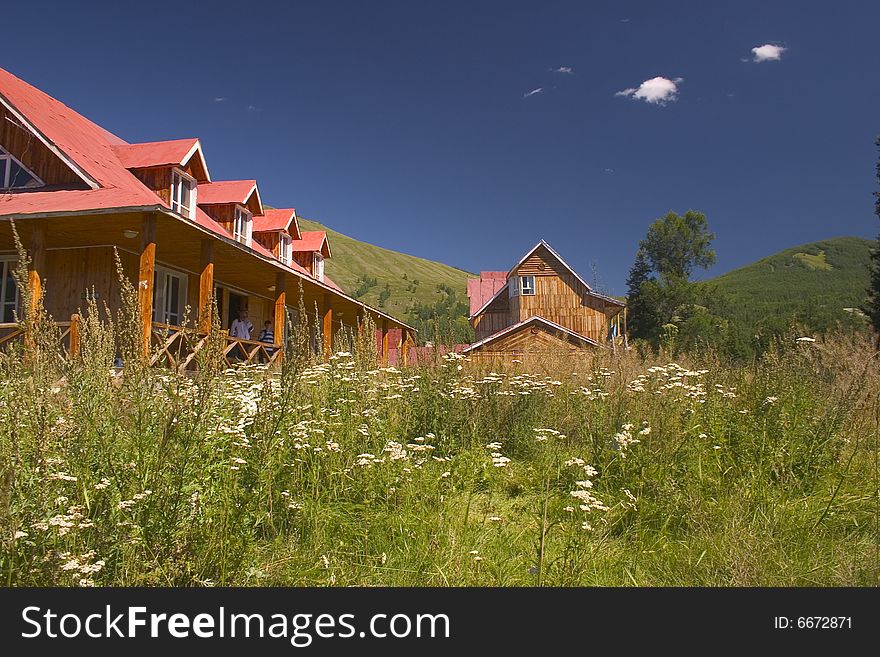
point(313, 240)
point(277, 219)
point(158, 153)
point(480, 290)
point(228, 191)
point(83, 146)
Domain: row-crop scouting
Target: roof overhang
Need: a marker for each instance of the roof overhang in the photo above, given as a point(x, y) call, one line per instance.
point(523, 324)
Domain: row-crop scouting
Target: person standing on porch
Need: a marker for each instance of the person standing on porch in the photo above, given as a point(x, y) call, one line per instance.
point(241, 327)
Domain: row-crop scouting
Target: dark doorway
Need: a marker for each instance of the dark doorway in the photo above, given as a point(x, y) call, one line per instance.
point(236, 302)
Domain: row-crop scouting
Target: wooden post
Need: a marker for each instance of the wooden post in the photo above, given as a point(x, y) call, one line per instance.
point(75, 339)
point(404, 347)
point(280, 308)
point(327, 328)
point(384, 354)
point(146, 272)
point(206, 287)
point(37, 263)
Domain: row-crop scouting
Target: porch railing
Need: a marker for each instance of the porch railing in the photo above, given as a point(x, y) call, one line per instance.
point(170, 346)
point(177, 347)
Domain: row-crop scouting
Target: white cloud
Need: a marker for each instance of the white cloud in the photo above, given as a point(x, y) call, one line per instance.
point(219, 99)
point(657, 91)
point(533, 92)
point(562, 69)
point(767, 53)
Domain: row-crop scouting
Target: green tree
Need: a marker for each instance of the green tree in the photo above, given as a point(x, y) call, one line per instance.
point(872, 307)
point(642, 322)
point(661, 295)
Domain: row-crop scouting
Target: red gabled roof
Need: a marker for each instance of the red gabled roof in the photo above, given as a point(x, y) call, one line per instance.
point(313, 240)
point(480, 290)
point(243, 192)
point(84, 147)
point(275, 219)
point(161, 153)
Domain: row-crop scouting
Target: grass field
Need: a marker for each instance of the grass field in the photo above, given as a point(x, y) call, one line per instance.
point(606, 470)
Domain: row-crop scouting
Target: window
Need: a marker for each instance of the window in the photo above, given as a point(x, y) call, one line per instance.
point(318, 266)
point(169, 296)
point(241, 226)
point(513, 287)
point(14, 175)
point(8, 291)
point(183, 194)
point(284, 249)
point(527, 285)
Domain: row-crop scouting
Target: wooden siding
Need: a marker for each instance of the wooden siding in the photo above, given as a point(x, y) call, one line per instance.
point(31, 152)
point(72, 273)
point(304, 259)
point(497, 316)
point(222, 213)
point(269, 239)
point(561, 298)
point(158, 180)
point(533, 339)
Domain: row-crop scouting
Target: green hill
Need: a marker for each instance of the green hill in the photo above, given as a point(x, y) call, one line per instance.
point(396, 282)
point(824, 278)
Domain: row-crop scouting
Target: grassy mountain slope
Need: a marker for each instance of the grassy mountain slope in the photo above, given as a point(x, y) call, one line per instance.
point(828, 276)
point(384, 278)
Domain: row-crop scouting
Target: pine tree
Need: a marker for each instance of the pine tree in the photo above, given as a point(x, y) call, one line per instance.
point(872, 308)
point(641, 321)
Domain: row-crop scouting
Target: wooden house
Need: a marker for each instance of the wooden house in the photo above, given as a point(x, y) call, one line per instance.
point(77, 193)
point(540, 305)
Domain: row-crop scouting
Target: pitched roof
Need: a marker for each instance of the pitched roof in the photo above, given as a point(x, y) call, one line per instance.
point(177, 152)
point(313, 240)
point(555, 255)
point(482, 289)
point(535, 319)
point(84, 147)
point(243, 192)
point(278, 219)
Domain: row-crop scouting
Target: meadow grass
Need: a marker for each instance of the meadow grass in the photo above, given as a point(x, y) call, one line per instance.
point(609, 469)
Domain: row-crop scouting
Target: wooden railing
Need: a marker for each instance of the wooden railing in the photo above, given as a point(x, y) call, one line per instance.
point(177, 347)
point(12, 333)
point(171, 346)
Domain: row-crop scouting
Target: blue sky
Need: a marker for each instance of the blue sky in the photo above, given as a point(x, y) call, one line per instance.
point(410, 124)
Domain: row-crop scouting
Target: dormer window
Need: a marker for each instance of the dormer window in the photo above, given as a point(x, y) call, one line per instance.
point(285, 249)
point(318, 266)
point(527, 285)
point(242, 225)
point(14, 175)
point(183, 194)
point(513, 287)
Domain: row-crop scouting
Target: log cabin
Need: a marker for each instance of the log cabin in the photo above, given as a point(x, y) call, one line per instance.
point(540, 305)
point(78, 194)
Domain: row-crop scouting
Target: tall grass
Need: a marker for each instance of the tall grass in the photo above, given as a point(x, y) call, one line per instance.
point(611, 469)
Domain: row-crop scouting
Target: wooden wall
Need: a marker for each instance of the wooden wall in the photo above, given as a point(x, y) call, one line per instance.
point(31, 152)
point(561, 298)
point(158, 180)
point(304, 259)
point(72, 273)
point(269, 239)
point(531, 340)
point(222, 213)
point(496, 317)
